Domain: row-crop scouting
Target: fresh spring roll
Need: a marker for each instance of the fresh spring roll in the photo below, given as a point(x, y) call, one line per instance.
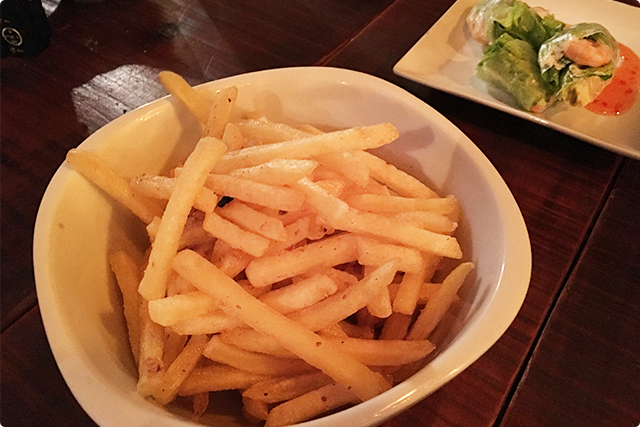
point(579, 62)
point(489, 19)
point(511, 65)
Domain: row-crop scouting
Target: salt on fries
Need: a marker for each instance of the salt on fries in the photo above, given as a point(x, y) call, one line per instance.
point(287, 263)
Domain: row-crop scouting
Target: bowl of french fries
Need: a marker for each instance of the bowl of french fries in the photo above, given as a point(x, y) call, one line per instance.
point(302, 245)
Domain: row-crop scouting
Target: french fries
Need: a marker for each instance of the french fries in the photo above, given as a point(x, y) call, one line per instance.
point(276, 390)
point(270, 196)
point(359, 138)
point(287, 263)
point(206, 154)
point(177, 86)
point(332, 251)
point(221, 112)
point(128, 277)
point(308, 405)
point(161, 187)
point(98, 172)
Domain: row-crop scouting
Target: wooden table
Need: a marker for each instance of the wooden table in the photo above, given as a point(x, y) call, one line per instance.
point(572, 355)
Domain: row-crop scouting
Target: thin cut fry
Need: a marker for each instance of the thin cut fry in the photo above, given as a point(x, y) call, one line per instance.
point(204, 156)
point(384, 352)
point(296, 233)
point(438, 305)
point(371, 352)
point(347, 165)
point(256, 409)
point(258, 363)
point(333, 331)
point(192, 235)
point(151, 363)
point(128, 276)
point(305, 148)
point(276, 390)
point(406, 299)
point(180, 369)
point(271, 196)
point(277, 171)
point(372, 252)
point(200, 404)
point(395, 204)
point(253, 220)
point(399, 181)
point(380, 306)
point(399, 232)
point(343, 304)
point(332, 251)
point(170, 310)
point(192, 99)
point(252, 340)
point(229, 260)
point(221, 112)
point(309, 346)
point(427, 291)
point(235, 236)
point(161, 187)
point(395, 326)
point(173, 345)
point(342, 217)
point(232, 137)
point(218, 377)
point(310, 405)
point(301, 294)
point(267, 132)
point(428, 220)
point(95, 170)
point(211, 323)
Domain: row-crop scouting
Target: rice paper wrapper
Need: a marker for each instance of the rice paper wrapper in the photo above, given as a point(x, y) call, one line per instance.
point(489, 19)
point(577, 83)
point(510, 64)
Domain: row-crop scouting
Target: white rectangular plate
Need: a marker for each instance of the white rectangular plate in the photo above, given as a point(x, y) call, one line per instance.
point(445, 59)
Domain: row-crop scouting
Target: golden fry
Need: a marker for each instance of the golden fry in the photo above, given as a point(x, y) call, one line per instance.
point(304, 148)
point(221, 111)
point(276, 390)
point(180, 369)
point(307, 345)
point(205, 155)
point(128, 276)
point(438, 305)
point(177, 86)
point(97, 171)
point(310, 405)
point(302, 289)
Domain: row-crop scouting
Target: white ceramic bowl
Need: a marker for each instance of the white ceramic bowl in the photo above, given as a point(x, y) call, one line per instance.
point(78, 297)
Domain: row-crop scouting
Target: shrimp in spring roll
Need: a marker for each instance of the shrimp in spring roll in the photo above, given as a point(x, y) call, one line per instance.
point(579, 62)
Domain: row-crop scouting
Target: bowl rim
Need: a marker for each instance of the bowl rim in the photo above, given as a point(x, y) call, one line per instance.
point(516, 270)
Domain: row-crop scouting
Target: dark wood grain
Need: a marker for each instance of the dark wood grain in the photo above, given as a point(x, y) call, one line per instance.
point(33, 390)
point(586, 367)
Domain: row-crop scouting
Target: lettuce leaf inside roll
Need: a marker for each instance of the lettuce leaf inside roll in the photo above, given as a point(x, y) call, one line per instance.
point(489, 19)
point(511, 64)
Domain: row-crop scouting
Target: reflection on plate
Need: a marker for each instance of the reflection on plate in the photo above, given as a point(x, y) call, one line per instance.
point(445, 59)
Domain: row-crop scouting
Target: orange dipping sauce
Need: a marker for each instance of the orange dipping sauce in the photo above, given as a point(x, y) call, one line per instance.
point(621, 93)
